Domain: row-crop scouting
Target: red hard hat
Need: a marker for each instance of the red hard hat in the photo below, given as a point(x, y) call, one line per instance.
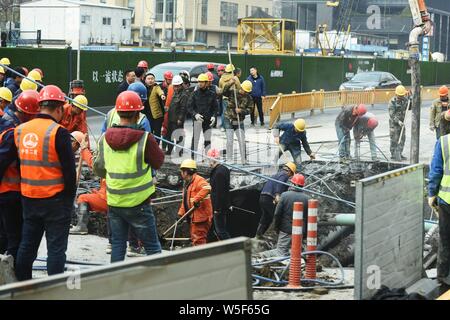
point(298, 179)
point(143, 64)
point(210, 66)
point(25, 71)
point(221, 68)
point(213, 153)
point(361, 109)
point(210, 76)
point(129, 101)
point(168, 75)
point(51, 93)
point(40, 72)
point(372, 123)
point(27, 102)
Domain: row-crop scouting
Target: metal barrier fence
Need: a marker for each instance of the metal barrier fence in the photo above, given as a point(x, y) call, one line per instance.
point(277, 105)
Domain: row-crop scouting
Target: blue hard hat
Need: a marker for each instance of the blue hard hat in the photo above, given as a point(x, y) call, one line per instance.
point(140, 89)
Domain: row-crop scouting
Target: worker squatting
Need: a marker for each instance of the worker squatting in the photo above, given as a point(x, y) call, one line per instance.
point(41, 131)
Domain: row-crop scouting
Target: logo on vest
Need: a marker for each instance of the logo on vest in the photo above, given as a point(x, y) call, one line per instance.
point(30, 140)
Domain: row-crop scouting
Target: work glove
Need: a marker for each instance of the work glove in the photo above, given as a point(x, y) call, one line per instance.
point(312, 156)
point(432, 202)
point(432, 128)
point(400, 123)
point(213, 119)
point(276, 140)
point(163, 97)
point(199, 117)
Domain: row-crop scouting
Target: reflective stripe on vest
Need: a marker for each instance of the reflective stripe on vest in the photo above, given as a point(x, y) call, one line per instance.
point(11, 178)
point(444, 189)
point(40, 169)
point(114, 119)
point(129, 180)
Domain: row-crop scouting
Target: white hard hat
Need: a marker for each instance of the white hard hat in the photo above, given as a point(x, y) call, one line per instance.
point(177, 80)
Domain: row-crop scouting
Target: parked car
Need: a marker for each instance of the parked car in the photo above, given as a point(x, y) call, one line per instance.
point(371, 80)
point(193, 67)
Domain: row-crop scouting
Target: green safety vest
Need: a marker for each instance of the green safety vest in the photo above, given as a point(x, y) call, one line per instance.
point(129, 180)
point(444, 189)
point(113, 118)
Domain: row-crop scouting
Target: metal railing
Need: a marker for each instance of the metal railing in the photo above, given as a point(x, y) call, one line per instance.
point(277, 105)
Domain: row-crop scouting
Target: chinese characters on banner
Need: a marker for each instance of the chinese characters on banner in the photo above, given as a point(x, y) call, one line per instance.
point(109, 76)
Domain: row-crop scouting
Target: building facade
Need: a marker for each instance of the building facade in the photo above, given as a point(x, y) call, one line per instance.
point(76, 22)
point(213, 22)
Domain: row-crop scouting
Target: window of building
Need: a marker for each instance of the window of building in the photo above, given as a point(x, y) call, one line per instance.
point(224, 39)
point(246, 10)
point(85, 19)
point(124, 23)
point(169, 9)
point(201, 36)
point(267, 10)
point(228, 14)
point(107, 21)
point(102, 1)
point(204, 11)
point(131, 4)
point(254, 9)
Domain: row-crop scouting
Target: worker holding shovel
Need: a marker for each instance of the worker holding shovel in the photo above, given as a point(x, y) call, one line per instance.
point(196, 193)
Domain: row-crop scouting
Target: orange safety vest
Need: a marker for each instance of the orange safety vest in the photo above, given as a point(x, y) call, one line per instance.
point(11, 177)
point(40, 169)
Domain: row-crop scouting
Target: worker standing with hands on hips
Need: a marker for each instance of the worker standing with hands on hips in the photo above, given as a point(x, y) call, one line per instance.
point(126, 156)
point(25, 108)
point(439, 106)
point(196, 193)
point(397, 111)
point(439, 200)
point(48, 184)
point(270, 196)
point(293, 138)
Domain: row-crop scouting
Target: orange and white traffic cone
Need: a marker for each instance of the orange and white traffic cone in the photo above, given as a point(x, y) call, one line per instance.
point(295, 269)
point(311, 240)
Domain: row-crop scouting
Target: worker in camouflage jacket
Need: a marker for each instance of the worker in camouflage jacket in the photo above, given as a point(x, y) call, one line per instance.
point(397, 110)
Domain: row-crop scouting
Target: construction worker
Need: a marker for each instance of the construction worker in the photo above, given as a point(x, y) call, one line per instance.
point(292, 139)
point(220, 72)
point(345, 121)
point(220, 194)
point(365, 126)
point(74, 118)
point(211, 69)
point(2, 76)
point(112, 118)
point(26, 109)
point(125, 158)
point(258, 93)
point(444, 126)
point(129, 78)
point(282, 220)
point(232, 124)
point(168, 76)
point(270, 196)
point(143, 65)
point(196, 193)
point(154, 108)
point(5, 99)
point(48, 184)
point(439, 106)
point(36, 75)
point(13, 83)
point(5, 61)
point(227, 76)
point(397, 111)
point(26, 84)
point(140, 75)
point(177, 115)
point(203, 107)
point(439, 200)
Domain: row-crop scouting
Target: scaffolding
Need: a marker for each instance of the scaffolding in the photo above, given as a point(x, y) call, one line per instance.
point(264, 34)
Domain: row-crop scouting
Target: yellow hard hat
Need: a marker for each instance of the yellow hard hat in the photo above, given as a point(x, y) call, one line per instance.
point(291, 167)
point(188, 164)
point(35, 75)
point(6, 94)
point(247, 86)
point(229, 68)
point(2, 70)
point(27, 84)
point(202, 77)
point(5, 61)
point(400, 91)
point(300, 125)
point(80, 99)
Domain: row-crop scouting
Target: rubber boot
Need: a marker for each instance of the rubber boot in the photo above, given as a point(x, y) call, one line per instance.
point(83, 218)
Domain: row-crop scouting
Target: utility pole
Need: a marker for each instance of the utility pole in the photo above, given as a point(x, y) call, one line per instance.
point(141, 28)
point(164, 20)
point(173, 18)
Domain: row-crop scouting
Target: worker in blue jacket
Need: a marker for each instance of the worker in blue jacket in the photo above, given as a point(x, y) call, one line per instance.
point(258, 93)
point(293, 138)
point(439, 199)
